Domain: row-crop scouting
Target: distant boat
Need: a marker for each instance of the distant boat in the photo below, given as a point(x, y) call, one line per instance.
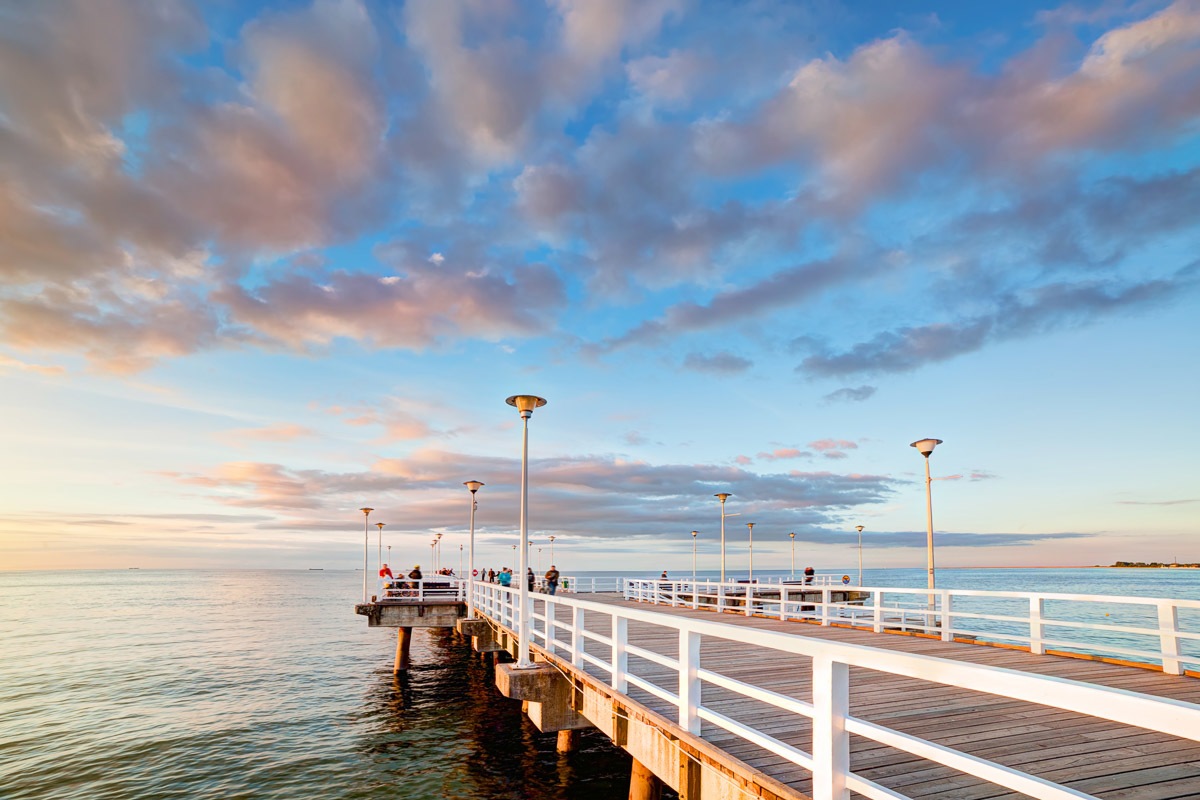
point(316, 569)
point(133, 567)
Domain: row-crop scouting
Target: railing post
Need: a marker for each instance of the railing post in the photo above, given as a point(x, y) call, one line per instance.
point(620, 659)
point(830, 742)
point(877, 619)
point(720, 598)
point(695, 595)
point(825, 606)
point(577, 641)
point(1168, 630)
point(674, 594)
point(689, 681)
point(749, 598)
point(947, 617)
point(1037, 609)
point(782, 602)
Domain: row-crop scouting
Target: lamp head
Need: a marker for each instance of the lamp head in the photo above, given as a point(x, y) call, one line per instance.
point(473, 485)
point(439, 537)
point(366, 510)
point(925, 446)
point(722, 496)
point(792, 535)
point(694, 534)
point(379, 525)
point(858, 528)
point(552, 538)
point(750, 525)
point(526, 403)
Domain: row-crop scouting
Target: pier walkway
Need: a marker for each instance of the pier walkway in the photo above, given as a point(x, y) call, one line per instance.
point(800, 709)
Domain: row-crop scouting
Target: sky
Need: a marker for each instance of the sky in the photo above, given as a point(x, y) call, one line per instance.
point(264, 264)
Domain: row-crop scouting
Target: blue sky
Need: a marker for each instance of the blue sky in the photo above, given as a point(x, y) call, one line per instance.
point(265, 264)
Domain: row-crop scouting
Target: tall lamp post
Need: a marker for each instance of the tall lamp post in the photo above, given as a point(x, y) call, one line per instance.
point(722, 496)
point(525, 404)
point(552, 551)
point(792, 536)
point(389, 549)
point(859, 528)
point(379, 555)
point(433, 555)
point(694, 535)
point(474, 486)
point(925, 447)
point(366, 544)
point(750, 525)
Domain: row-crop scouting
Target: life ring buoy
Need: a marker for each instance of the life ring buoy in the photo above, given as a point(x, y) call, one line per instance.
point(474, 573)
point(845, 580)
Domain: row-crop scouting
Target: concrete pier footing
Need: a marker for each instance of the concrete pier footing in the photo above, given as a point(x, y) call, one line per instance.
point(568, 740)
point(548, 694)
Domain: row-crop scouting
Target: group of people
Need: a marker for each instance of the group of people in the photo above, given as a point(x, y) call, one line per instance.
point(505, 578)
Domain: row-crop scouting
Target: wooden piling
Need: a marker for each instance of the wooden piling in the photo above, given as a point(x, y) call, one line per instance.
point(403, 644)
point(643, 784)
point(567, 741)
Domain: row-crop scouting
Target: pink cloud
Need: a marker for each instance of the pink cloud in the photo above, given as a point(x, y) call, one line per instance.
point(784, 453)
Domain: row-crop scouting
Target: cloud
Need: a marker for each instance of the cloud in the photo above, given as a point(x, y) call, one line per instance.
point(590, 496)
point(722, 363)
point(1184, 501)
point(781, 453)
point(850, 394)
point(1039, 310)
point(283, 432)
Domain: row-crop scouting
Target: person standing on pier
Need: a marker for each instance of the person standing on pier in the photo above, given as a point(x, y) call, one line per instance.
point(386, 572)
point(552, 580)
point(529, 579)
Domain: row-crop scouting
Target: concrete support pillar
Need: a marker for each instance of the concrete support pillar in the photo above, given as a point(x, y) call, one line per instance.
point(643, 784)
point(403, 643)
point(567, 741)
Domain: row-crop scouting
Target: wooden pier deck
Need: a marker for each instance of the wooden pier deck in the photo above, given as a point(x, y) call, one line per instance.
point(1090, 755)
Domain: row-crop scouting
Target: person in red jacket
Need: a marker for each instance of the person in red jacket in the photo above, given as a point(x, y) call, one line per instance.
point(386, 572)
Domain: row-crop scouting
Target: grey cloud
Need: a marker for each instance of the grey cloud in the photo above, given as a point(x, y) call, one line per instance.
point(1158, 502)
point(723, 363)
point(850, 394)
point(1042, 309)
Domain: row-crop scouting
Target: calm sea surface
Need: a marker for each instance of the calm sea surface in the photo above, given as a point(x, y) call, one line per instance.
point(246, 684)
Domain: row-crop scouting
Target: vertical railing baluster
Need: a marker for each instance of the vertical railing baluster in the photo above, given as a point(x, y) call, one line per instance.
point(1037, 611)
point(782, 602)
point(620, 659)
point(877, 609)
point(689, 681)
point(947, 617)
point(1168, 632)
point(825, 606)
point(749, 598)
point(577, 641)
point(830, 742)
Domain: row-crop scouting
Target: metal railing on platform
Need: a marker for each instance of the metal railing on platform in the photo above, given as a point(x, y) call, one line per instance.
point(558, 626)
point(1150, 630)
point(409, 590)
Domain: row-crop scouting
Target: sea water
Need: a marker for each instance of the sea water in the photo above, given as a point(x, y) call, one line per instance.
point(265, 684)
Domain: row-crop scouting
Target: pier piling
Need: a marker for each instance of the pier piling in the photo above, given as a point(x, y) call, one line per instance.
point(643, 784)
point(567, 741)
point(403, 645)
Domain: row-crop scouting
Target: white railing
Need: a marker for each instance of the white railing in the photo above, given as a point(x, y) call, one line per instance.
point(577, 585)
point(408, 590)
point(1151, 630)
point(566, 636)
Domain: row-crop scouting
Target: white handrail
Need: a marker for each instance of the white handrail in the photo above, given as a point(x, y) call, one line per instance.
point(829, 706)
point(1156, 635)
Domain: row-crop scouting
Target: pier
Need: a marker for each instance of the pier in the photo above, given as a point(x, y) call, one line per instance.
point(722, 693)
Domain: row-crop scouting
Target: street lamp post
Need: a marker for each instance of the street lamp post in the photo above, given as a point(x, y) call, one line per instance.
point(437, 565)
point(722, 496)
point(389, 549)
point(792, 536)
point(379, 555)
point(750, 525)
point(925, 447)
point(552, 551)
point(474, 486)
point(859, 528)
point(433, 555)
point(366, 544)
point(694, 534)
point(525, 404)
